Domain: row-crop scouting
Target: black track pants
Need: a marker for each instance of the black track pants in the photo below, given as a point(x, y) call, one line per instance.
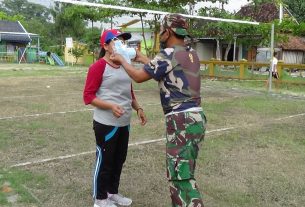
point(111, 152)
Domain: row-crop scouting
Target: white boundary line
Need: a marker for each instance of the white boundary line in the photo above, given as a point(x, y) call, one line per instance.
point(44, 114)
point(290, 117)
point(220, 130)
point(60, 112)
point(134, 144)
point(51, 159)
point(91, 152)
point(41, 95)
point(153, 104)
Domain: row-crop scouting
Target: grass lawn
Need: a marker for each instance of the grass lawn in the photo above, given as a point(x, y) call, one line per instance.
point(253, 153)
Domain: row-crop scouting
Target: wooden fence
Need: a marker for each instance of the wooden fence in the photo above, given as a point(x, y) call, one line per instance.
point(244, 70)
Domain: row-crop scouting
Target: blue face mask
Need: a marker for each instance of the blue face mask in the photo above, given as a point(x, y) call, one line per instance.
point(122, 49)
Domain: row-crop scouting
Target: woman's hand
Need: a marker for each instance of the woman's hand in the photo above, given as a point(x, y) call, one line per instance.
point(141, 116)
point(117, 110)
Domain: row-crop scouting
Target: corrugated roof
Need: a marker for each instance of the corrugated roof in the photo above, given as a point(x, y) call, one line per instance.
point(8, 26)
point(13, 32)
point(293, 43)
point(19, 38)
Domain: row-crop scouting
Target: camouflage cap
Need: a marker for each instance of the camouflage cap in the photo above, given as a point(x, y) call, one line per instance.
point(176, 23)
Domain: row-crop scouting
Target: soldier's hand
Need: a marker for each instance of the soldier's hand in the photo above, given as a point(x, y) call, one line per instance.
point(141, 57)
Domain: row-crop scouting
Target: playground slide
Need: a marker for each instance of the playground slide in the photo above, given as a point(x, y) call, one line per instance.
point(57, 60)
point(51, 61)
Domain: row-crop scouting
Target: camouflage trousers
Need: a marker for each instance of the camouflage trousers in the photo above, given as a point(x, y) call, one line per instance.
point(184, 131)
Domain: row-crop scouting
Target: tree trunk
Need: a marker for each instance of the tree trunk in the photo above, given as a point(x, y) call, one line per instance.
point(228, 50)
point(62, 41)
point(143, 33)
point(155, 37)
point(111, 23)
point(218, 50)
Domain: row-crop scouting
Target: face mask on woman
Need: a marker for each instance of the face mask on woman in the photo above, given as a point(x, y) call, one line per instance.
point(122, 49)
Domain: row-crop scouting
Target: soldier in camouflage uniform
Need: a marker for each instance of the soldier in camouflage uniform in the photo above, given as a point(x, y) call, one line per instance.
point(177, 69)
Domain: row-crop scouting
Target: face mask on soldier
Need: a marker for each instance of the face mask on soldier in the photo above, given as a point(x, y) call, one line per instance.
point(163, 43)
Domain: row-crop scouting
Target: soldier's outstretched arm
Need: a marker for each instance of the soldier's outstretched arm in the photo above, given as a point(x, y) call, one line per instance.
point(138, 75)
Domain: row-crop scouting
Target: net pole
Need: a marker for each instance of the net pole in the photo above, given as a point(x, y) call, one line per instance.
point(271, 53)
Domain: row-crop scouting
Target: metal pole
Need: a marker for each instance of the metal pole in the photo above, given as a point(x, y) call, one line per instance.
point(38, 49)
point(281, 13)
point(271, 53)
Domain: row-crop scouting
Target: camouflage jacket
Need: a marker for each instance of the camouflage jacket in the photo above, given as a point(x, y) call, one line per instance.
point(177, 70)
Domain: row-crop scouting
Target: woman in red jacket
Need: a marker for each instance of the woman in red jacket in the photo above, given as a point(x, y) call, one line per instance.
point(108, 88)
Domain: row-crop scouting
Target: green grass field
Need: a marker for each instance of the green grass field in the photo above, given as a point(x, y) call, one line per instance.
point(253, 154)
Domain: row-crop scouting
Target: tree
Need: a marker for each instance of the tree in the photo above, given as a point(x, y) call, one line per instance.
point(28, 10)
point(93, 15)
point(77, 51)
point(297, 8)
point(34, 17)
point(14, 6)
point(4, 16)
point(92, 39)
point(290, 27)
point(168, 6)
point(43, 29)
point(65, 25)
point(217, 30)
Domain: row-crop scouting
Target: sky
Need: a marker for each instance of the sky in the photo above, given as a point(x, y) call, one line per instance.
point(233, 5)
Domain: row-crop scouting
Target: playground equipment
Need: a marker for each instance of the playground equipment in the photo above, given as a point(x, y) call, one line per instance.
point(57, 59)
point(50, 58)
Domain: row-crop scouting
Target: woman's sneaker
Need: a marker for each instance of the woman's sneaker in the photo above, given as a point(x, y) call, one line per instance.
point(104, 203)
point(120, 199)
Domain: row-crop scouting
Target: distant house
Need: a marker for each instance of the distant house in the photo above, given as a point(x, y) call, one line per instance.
point(13, 41)
point(207, 47)
point(291, 51)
